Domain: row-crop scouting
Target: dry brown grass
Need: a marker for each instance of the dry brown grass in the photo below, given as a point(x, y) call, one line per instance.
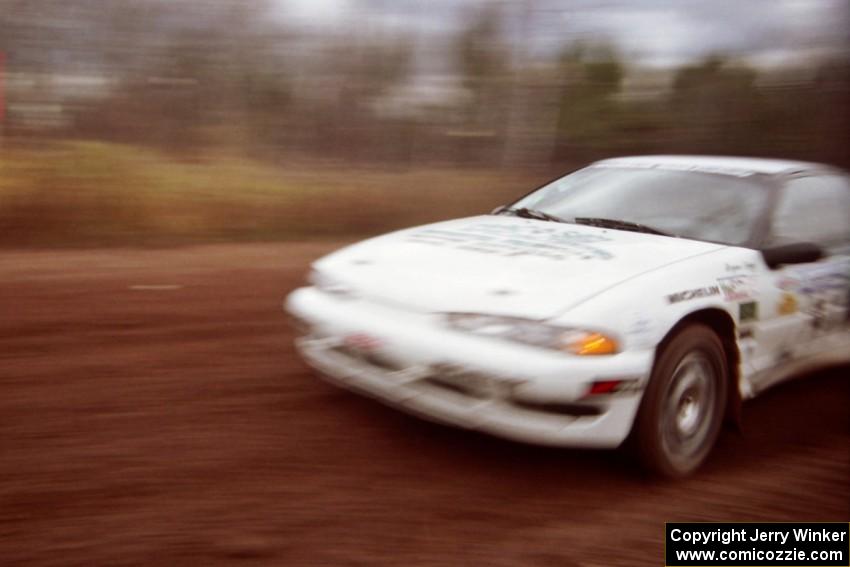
point(85, 193)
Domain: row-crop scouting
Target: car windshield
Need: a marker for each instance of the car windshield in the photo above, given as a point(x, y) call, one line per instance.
point(691, 204)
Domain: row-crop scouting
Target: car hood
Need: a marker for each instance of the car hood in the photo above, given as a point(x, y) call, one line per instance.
point(499, 265)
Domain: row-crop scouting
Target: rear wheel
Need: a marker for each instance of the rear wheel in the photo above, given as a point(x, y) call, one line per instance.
point(682, 408)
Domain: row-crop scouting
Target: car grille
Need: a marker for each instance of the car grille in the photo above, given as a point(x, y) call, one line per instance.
point(371, 358)
point(458, 388)
point(469, 385)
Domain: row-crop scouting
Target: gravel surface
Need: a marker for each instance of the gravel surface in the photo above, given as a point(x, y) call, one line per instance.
point(153, 411)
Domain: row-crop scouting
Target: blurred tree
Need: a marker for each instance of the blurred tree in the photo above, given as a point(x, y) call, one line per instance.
point(352, 74)
point(482, 57)
point(483, 63)
point(831, 125)
point(715, 106)
point(230, 74)
point(589, 77)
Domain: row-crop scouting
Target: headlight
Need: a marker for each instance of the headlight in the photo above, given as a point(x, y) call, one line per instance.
point(535, 333)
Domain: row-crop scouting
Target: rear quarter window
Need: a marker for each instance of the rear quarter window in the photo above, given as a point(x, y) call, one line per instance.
point(813, 209)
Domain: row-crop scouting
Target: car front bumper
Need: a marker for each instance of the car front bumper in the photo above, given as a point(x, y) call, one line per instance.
point(413, 362)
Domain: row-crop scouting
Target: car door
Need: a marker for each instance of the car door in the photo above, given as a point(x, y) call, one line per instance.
point(803, 308)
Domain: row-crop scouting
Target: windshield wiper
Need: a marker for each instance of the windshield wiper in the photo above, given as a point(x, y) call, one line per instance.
point(527, 213)
point(620, 225)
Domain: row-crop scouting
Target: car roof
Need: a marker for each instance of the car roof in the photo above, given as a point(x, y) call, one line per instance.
point(739, 166)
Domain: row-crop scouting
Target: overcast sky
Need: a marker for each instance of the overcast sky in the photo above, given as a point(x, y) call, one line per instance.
point(653, 32)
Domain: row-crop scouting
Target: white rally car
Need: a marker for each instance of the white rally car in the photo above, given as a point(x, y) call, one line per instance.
point(639, 298)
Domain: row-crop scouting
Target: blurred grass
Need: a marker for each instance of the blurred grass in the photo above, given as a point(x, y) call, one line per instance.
point(99, 194)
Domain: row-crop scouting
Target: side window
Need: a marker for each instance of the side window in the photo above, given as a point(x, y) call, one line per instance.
point(813, 209)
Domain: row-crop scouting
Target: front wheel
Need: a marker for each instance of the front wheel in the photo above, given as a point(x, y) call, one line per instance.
point(682, 408)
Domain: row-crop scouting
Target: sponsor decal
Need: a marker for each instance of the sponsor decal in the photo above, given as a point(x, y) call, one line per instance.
point(831, 276)
point(362, 342)
point(503, 292)
point(640, 325)
point(746, 333)
point(787, 304)
point(737, 288)
point(824, 292)
point(747, 266)
point(693, 293)
point(820, 313)
point(556, 243)
point(748, 311)
point(639, 329)
point(788, 283)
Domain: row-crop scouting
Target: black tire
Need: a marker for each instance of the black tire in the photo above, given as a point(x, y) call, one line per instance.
point(682, 408)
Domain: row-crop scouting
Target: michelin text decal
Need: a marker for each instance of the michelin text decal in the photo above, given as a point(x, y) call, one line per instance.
point(694, 294)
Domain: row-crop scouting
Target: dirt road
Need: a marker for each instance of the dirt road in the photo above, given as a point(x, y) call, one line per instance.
point(152, 411)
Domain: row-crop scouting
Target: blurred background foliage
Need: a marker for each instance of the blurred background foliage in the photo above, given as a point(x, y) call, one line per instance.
point(158, 122)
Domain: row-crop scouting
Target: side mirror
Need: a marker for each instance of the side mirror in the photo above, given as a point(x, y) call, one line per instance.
point(797, 253)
